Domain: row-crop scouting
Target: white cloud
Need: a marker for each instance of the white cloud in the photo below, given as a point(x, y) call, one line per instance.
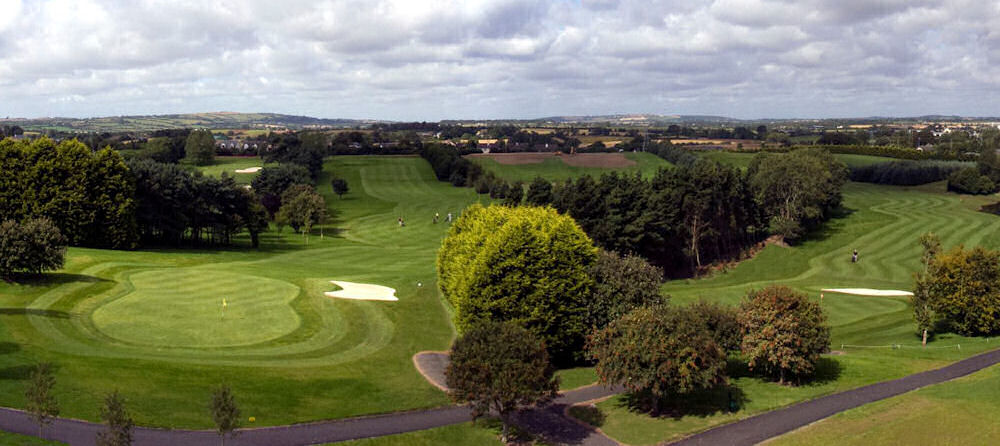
point(404, 59)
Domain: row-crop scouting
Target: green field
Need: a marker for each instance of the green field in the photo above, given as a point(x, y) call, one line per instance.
point(742, 159)
point(150, 322)
point(556, 170)
point(230, 164)
point(883, 223)
point(960, 412)
point(485, 433)
point(9, 439)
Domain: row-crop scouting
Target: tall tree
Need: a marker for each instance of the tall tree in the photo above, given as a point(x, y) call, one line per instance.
point(41, 403)
point(120, 425)
point(225, 412)
point(500, 367)
point(539, 192)
point(302, 207)
point(621, 284)
point(200, 147)
point(524, 264)
point(784, 332)
point(33, 246)
point(960, 289)
point(339, 186)
point(797, 190)
point(658, 352)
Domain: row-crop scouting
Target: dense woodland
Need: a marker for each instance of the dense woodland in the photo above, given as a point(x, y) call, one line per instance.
point(684, 218)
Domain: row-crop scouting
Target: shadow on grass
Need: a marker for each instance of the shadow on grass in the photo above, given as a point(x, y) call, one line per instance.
point(53, 279)
point(7, 348)
point(33, 312)
point(589, 414)
point(17, 372)
point(827, 228)
point(827, 370)
point(704, 403)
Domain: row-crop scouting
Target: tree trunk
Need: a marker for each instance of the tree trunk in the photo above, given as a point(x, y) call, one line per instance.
point(924, 342)
point(505, 432)
point(781, 378)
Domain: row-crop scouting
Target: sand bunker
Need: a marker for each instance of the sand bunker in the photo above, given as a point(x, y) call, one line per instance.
point(868, 292)
point(249, 170)
point(362, 291)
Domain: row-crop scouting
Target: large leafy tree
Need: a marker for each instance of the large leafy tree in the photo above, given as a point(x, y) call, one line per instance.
point(302, 207)
point(658, 352)
point(200, 147)
point(271, 182)
point(88, 196)
point(524, 264)
point(797, 190)
point(784, 333)
point(960, 289)
point(539, 192)
point(500, 367)
point(33, 246)
point(621, 284)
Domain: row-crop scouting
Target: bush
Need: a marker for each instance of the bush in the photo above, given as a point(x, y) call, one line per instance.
point(783, 332)
point(722, 323)
point(32, 246)
point(500, 367)
point(658, 352)
point(524, 264)
point(905, 173)
point(961, 291)
point(970, 181)
point(621, 284)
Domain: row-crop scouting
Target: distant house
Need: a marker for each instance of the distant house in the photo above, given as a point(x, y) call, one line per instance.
point(487, 144)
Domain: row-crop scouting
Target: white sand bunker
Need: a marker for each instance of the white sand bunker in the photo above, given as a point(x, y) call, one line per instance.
point(249, 170)
point(868, 292)
point(362, 291)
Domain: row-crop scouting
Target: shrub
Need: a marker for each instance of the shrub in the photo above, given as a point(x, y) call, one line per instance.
point(523, 264)
point(970, 181)
point(783, 332)
point(722, 323)
point(500, 367)
point(621, 284)
point(658, 352)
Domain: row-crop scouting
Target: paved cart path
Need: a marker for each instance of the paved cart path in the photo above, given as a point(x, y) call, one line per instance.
point(549, 422)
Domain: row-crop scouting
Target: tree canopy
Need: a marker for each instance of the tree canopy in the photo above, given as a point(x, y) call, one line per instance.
point(528, 265)
point(500, 367)
point(32, 246)
point(784, 332)
point(959, 291)
point(200, 147)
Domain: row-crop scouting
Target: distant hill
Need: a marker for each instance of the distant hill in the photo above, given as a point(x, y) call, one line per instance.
point(215, 120)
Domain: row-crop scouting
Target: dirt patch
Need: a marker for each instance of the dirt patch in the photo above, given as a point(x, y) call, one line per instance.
point(605, 160)
point(515, 158)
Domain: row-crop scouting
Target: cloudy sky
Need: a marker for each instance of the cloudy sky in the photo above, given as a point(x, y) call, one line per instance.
point(440, 59)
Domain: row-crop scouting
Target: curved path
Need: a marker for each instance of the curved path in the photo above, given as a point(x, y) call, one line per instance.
point(761, 427)
point(549, 422)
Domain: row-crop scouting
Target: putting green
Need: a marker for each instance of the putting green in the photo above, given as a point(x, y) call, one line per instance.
point(183, 307)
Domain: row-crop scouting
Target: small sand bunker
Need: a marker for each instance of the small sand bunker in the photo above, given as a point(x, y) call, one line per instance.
point(249, 170)
point(868, 292)
point(362, 291)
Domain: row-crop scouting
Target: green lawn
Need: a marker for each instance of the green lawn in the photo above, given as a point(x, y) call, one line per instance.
point(230, 164)
point(959, 412)
point(10, 439)
point(150, 322)
point(883, 223)
point(556, 170)
point(483, 433)
point(742, 159)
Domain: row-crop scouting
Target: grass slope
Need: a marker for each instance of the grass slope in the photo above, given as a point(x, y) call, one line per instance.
point(556, 170)
point(149, 322)
point(959, 412)
point(743, 159)
point(883, 223)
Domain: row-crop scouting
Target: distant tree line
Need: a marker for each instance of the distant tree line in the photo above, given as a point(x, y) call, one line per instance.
point(905, 173)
